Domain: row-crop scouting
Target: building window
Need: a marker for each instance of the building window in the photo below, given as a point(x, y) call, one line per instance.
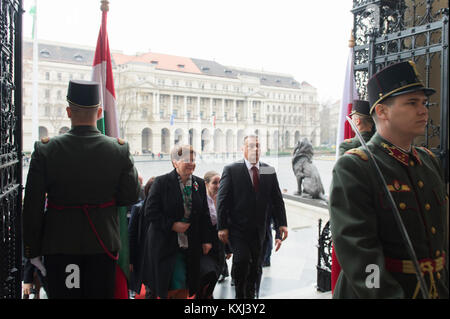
point(59, 76)
point(47, 76)
point(47, 93)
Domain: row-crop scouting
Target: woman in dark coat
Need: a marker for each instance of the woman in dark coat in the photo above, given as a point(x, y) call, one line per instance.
point(212, 264)
point(179, 230)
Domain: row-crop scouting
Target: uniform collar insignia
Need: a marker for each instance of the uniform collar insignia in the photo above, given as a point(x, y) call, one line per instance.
point(396, 153)
point(400, 155)
point(416, 155)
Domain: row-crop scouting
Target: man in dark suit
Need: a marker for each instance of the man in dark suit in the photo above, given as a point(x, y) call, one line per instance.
point(246, 189)
point(84, 176)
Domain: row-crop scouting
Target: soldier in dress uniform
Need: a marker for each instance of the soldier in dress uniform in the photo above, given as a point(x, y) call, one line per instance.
point(361, 117)
point(369, 245)
point(75, 183)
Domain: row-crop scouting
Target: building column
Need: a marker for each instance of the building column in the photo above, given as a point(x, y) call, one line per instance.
point(199, 119)
point(156, 106)
point(170, 105)
point(210, 108)
point(156, 140)
point(249, 109)
point(234, 111)
point(185, 109)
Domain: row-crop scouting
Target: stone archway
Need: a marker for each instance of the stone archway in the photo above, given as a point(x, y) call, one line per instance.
point(147, 139)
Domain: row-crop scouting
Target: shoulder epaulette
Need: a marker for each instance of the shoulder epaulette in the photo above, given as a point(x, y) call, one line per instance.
point(360, 153)
point(428, 151)
point(45, 140)
point(120, 141)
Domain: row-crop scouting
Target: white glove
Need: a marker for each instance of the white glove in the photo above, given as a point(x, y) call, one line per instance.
point(36, 261)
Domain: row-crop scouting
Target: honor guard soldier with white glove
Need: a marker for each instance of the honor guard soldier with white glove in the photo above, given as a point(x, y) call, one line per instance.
point(75, 183)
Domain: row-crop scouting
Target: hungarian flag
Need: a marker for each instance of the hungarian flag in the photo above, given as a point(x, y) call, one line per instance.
point(344, 131)
point(108, 124)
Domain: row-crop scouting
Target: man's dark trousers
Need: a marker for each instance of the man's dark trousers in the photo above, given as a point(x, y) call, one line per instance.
point(247, 257)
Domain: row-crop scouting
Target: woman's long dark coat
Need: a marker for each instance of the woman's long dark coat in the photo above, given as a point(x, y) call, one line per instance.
point(163, 207)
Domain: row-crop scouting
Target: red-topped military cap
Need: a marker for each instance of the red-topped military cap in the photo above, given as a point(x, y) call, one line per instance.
point(84, 94)
point(395, 79)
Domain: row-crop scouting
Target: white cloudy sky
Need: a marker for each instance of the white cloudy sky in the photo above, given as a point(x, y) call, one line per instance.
point(304, 38)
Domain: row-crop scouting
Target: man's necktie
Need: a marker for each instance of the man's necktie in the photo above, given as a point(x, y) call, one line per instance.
point(255, 178)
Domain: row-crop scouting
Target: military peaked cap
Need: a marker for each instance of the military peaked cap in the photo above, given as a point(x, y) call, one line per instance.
point(360, 107)
point(395, 79)
point(85, 94)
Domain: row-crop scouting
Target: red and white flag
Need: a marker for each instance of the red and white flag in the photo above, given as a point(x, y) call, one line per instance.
point(349, 95)
point(102, 73)
point(344, 131)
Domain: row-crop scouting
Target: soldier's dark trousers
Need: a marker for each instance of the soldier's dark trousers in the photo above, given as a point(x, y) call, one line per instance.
point(80, 276)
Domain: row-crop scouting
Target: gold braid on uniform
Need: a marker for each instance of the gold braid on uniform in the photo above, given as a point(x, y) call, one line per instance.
point(427, 267)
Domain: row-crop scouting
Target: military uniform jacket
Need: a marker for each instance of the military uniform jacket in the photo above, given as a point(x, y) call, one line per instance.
point(365, 233)
point(80, 167)
point(354, 142)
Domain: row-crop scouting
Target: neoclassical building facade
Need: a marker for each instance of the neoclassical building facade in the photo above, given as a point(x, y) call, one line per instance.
point(163, 100)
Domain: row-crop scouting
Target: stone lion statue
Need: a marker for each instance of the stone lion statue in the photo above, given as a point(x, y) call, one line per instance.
point(308, 177)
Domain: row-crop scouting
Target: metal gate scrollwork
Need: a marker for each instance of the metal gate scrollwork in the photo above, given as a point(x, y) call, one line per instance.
point(10, 148)
point(390, 31)
point(324, 258)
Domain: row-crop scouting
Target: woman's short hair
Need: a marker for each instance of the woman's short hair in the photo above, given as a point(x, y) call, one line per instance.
point(180, 151)
point(209, 175)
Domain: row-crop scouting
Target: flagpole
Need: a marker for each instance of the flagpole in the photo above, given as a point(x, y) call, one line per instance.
point(349, 94)
point(35, 92)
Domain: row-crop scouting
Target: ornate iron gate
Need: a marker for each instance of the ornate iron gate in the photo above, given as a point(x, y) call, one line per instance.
point(389, 31)
point(324, 258)
point(10, 148)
